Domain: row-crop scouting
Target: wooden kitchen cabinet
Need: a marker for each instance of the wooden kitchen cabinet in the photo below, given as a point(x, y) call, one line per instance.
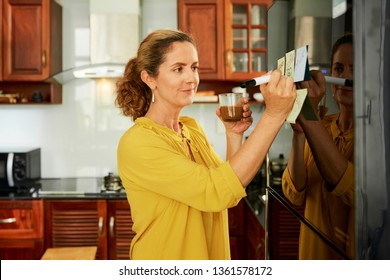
point(231, 36)
point(31, 49)
point(236, 231)
point(96, 222)
point(32, 39)
point(284, 228)
point(120, 231)
point(204, 20)
point(255, 236)
point(21, 229)
point(1, 41)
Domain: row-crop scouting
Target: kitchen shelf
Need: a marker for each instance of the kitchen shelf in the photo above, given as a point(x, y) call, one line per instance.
point(51, 92)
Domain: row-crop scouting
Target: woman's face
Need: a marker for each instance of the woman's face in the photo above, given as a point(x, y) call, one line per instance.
point(178, 78)
point(342, 67)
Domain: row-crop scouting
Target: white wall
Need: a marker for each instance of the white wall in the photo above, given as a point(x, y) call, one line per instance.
point(157, 14)
point(79, 137)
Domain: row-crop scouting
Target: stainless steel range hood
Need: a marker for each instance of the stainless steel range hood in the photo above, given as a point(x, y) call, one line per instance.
point(310, 24)
point(114, 38)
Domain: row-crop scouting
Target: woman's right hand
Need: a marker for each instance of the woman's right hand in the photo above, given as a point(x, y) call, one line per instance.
point(279, 95)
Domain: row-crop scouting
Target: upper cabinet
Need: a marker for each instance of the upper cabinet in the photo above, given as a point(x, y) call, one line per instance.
point(204, 20)
point(31, 48)
point(32, 39)
point(231, 36)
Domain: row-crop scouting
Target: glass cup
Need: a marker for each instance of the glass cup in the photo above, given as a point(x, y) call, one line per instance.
point(231, 106)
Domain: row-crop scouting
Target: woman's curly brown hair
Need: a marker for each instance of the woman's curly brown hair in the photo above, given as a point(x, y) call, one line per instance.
point(133, 95)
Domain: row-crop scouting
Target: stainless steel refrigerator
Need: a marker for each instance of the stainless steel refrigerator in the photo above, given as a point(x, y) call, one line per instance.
point(369, 21)
point(371, 28)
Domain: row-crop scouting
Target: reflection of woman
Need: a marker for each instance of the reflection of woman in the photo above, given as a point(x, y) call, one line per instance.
point(178, 188)
point(320, 172)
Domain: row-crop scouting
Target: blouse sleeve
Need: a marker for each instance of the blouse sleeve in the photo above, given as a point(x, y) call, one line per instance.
point(290, 192)
point(345, 188)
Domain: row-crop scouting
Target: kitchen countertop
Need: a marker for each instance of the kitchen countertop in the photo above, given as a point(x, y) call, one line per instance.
point(77, 188)
point(89, 188)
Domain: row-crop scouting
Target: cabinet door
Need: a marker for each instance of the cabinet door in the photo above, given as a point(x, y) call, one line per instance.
point(237, 248)
point(21, 229)
point(27, 45)
point(255, 236)
point(21, 249)
point(204, 20)
point(120, 231)
point(1, 41)
point(246, 38)
point(236, 219)
point(284, 228)
point(236, 231)
point(73, 223)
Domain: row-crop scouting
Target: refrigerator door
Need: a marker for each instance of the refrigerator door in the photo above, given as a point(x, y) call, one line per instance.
point(372, 122)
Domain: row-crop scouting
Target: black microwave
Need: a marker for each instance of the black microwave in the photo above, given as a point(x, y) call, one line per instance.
point(19, 167)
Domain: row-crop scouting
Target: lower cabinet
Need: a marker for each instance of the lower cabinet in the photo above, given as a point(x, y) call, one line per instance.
point(255, 236)
point(29, 227)
point(284, 228)
point(236, 231)
point(21, 229)
point(120, 231)
point(103, 223)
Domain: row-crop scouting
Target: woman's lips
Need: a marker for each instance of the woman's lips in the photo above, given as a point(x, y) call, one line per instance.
point(189, 91)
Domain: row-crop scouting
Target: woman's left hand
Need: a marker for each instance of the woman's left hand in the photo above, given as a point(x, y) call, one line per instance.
point(316, 87)
point(241, 126)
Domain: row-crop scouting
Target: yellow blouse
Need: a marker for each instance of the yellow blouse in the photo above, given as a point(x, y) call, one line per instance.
point(333, 213)
point(178, 206)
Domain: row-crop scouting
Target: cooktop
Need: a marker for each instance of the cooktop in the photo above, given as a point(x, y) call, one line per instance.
point(26, 190)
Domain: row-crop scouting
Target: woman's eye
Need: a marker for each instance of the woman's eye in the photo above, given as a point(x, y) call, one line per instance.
point(338, 69)
point(178, 70)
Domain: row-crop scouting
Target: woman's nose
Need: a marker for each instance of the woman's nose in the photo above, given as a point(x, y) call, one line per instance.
point(192, 77)
point(347, 74)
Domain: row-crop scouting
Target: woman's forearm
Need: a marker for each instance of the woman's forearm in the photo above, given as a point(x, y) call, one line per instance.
point(329, 160)
point(249, 158)
point(233, 144)
point(296, 163)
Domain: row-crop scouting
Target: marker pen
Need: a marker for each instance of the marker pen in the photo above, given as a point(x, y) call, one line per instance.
point(256, 81)
point(339, 81)
point(265, 79)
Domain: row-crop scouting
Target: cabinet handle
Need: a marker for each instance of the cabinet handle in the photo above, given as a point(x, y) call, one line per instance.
point(8, 221)
point(44, 58)
point(100, 225)
point(112, 223)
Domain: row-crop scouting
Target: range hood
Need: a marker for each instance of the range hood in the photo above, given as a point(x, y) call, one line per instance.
point(310, 23)
point(114, 39)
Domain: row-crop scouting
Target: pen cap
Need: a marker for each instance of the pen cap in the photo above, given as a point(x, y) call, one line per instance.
point(240, 90)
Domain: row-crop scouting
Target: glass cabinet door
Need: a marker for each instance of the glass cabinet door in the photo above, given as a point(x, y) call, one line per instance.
point(246, 38)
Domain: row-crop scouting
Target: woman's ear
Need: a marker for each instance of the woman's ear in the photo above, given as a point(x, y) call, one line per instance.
point(147, 79)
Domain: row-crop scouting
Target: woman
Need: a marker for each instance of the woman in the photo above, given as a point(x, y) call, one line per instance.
point(320, 172)
point(178, 188)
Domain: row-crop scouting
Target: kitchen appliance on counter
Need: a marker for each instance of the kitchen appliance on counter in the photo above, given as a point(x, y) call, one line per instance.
point(112, 183)
point(19, 167)
point(277, 166)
